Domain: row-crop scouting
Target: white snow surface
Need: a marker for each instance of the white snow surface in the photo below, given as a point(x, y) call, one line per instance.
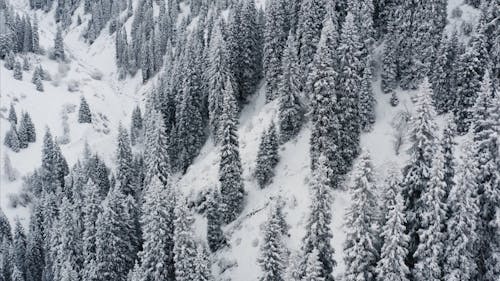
point(111, 102)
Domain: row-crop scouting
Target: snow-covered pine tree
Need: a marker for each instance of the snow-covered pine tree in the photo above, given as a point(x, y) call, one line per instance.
point(114, 250)
point(443, 73)
point(462, 225)
point(275, 34)
point(91, 209)
point(158, 160)
point(202, 265)
point(19, 248)
point(348, 92)
point(35, 248)
point(11, 139)
point(291, 112)
point(27, 128)
point(10, 60)
point(267, 156)
point(48, 171)
point(311, 17)
point(65, 242)
point(124, 162)
point(12, 115)
point(313, 267)
point(432, 234)
point(391, 265)
point(322, 83)
point(217, 74)
point(157, 226)
point(136, 126)
point(416, 174)
point(215, 219)
point(230, 171)
point(366, 99)
point(273, 253)
point(84, 114)
point(484, 128)
point(184, 244)
point(468, 86)
point(318, 232)
point(18, 71)
point(447, 147)
point(361, 253)
point(9, 171)
point(59, 45)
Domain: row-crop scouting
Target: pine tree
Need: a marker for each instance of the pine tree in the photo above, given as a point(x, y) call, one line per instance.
point(19, 249)
point(275, 35)
point(35, 251)
point(272, 257)
point(318, 231)
point(27, 129)
point(291, 112)
point(12, 115)
point(184, 244)
point(5, 229)
point(484, 129)
point(217, 74)
point(215, 235)
point(447, 149)
point(157, 225)
point(10, 60)
point(59, 45)
point(461, 242)
point(202, 265)
point(114, 249)
point(230, 171)
point(124, 162)
point(366, 100)
point(311, 16)
point(348, 91)
point(84, 115)
point(18, 71)
point(361, 254)
point(136, 127)
point(11, 139)
point(9, 172)
point(91, 210)
point(322, 81)
point(391, 265)
point(417, 172)
point(158, 161)
point(313, 268)
point(429, 253)
point(267, 156)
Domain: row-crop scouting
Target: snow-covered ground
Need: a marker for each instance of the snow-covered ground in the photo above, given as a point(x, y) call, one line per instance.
point(111, 102)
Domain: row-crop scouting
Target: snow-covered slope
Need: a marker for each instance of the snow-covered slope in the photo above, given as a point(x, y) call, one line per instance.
point(112, 101)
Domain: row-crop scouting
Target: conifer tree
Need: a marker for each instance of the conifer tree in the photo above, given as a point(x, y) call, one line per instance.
point(322, 81)
point(361, 253)
point(311, 17)
point(429, 253)
point(184, 244)
point(217, 73)
point(273, 251)
point(158, 161)
point(91, 209)
point(124, 162)
point(12, 115)
point(18, 71)
point(136, 127)
point(215, 236)
point(19, 249)
point(202, 265)
point(275, 35)
point(230, 171)
point(484, 130)
point(59, 45)
point(348, 91)
point(11, 139)
point(267, 156)
point(84, 115)
point(461, 242)
point(10, 174)
point(366, 100)
point(27, 129)
point(291, 112)
point(313, 267)
point(114, 249)
point(417, 172)
point(35, 249)
point(391, 265)
point(10, 60)
point(157, 225)
point(447, 145)
point(318, 231)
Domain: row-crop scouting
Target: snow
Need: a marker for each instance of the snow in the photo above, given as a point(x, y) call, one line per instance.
point(111, 102)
